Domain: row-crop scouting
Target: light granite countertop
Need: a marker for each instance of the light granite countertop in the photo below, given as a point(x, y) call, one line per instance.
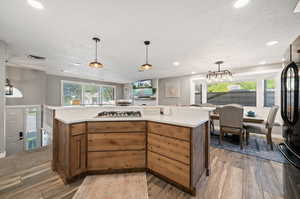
point(187, 122)
point(187, 117)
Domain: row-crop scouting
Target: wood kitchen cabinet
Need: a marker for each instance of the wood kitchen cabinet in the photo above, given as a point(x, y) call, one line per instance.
point(69, 149)
point(177, 154)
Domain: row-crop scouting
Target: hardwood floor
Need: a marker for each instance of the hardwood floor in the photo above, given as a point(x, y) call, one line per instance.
point(134, 186)
point(233, 175)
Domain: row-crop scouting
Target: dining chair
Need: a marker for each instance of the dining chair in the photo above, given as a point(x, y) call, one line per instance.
point(231, 121)
point(265, 129)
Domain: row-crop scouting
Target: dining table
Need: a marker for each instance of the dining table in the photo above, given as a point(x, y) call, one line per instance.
point(248, 119)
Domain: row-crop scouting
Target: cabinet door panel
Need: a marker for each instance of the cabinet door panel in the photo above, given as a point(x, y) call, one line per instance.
point(172, 148)
point(116, 127)
point(116, 160)
point(169, 130)
point(77, 129)
point(116, 141)
point(78, 154)
point(174, 170)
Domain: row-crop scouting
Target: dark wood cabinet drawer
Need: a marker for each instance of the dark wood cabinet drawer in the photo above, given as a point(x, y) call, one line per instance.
point(116, 141)
point(77, 129)
point(116, 160)
point(174, 170)
point(172, 148)
point(115, 127)
point(169, 130)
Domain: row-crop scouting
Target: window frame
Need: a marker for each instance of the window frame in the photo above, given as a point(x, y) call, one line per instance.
point(265, 90)
point(200, 91)
point(82, 84)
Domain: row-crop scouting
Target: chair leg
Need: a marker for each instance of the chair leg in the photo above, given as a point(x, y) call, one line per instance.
point(269, 138)
point(241, 139)
point(212, 126)
point(247, 137)
point(221, 136)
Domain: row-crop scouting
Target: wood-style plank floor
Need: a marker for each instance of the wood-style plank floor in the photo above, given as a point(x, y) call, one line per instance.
point(133, 186)
point(233, 176)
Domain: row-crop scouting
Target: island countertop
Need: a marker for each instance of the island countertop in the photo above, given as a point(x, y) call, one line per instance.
point(181, 116)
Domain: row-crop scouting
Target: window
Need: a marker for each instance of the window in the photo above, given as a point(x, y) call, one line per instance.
point(198, 93)
point(269, 93)
point(108, 95)
point(72, 94)
point(91, 94)
point(76, 93)
point(243, 93)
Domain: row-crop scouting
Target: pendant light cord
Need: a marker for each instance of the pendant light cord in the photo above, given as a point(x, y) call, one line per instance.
point(146, 54)
point(96, 52)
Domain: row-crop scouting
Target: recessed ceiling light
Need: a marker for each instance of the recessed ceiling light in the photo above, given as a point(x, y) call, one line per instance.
point(283, 59)
point(77, 64)
point(176, 63)
point(193, 72)
point(262, 62)
point(271, 43)
point(36, 4)
point(241, 3)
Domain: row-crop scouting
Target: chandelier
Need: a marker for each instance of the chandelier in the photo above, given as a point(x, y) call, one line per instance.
point(219, 75)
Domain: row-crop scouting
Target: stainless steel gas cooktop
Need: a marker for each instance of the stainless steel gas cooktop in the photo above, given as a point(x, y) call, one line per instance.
point(116, 114)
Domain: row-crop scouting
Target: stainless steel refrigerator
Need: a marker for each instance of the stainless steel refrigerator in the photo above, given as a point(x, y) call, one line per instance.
point(290, 106)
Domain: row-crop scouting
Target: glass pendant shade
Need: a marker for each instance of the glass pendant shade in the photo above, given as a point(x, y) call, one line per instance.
point(96, 64)
point(145, 67)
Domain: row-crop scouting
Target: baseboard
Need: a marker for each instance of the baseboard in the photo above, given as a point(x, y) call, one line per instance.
point(3, 154)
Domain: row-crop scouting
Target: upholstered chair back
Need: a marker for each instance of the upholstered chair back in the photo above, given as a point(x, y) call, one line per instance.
point(231, 116)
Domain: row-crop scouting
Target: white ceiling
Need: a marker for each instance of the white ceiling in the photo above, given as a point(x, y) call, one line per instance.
point(194, 33)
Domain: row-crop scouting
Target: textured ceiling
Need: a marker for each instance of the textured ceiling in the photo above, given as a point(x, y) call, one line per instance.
point(194, 33)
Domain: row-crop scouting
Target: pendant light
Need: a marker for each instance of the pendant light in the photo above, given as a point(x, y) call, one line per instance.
point(146, 66)
point(96, 64)
point(11, 91)
point(8, 88)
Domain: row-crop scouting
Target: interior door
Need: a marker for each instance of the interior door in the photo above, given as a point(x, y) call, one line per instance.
point(14, 130)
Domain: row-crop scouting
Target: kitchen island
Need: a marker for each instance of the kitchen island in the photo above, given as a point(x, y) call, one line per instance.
point(174, 147)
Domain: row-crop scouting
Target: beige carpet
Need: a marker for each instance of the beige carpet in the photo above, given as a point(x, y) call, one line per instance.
point(116, 186)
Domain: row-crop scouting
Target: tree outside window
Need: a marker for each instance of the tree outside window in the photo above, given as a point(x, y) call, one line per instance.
point(243, 93)
point(72, 94)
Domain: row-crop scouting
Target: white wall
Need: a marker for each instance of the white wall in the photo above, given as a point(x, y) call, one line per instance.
point(3, 56)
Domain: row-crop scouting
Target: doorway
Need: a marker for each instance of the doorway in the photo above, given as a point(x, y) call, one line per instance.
point(23, 129)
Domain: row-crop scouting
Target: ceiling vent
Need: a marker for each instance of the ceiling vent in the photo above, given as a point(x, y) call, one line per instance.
point(297, 9)
point(35, 57)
